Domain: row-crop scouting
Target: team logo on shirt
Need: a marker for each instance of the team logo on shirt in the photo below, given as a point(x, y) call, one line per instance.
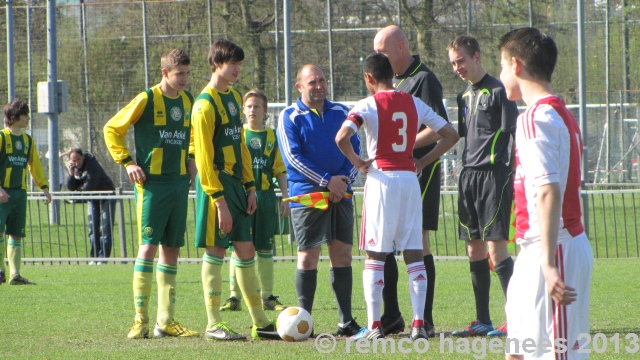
point(187, 115)
point(148, 231)
point(176, 113)
point(18, 145)
point(233, 110)
point(256, 143)
point(270, 145)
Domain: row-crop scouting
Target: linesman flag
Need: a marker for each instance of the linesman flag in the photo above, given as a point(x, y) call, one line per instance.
point(318, 200)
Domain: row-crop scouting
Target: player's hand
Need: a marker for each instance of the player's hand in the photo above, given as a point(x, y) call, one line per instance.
point(225, 222)
point(4, 197)
point(70, 167)
point(192, 169)
point(252, 202)
point(337, 186)
point(363, 165)
point(47, 197)
point(420, 164)
point(561, 293)
point(285, 210)
point(136, 175)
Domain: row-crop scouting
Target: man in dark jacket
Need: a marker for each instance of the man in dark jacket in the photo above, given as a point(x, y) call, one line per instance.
point(86, 174)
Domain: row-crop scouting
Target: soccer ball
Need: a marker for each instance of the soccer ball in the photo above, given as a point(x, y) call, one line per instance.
point(294, 324)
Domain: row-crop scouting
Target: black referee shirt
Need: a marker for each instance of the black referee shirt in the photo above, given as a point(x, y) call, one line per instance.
point(486, 118)
point(420, 82)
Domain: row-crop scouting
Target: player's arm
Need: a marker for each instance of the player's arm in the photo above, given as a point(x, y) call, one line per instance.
point(203, 127)
point(348, 129)
point(434, 122)
point(291, 146)
point(462, 114)
point(548, 208)
point(115, 131)
point(203, 123)
point(348, 168)
point(247, 176)
point(539, 151)
point(37, 172)
point(4, 197)
point(429, 91)
point(279, 171)
point(449, 138)
point(509, 119)
point(192, 169)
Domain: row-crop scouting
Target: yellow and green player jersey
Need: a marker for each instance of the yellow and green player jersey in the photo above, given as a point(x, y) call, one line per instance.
point(17, 152)
point(219, 140)
point(162, 127)
point(266, 160)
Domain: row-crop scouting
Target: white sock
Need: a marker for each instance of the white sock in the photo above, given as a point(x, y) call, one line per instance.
point(373, 283)
point(417, 288)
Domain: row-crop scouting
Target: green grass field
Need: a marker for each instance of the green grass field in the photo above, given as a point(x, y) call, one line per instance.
point(84, 312)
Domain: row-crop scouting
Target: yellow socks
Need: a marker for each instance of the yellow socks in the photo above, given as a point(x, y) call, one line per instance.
point(248, 281)
point(142, 277)
point(233, 281)
point(3, 248)
point(166, 279)
point(264, 266)
point(212, 285)
point(14, 254)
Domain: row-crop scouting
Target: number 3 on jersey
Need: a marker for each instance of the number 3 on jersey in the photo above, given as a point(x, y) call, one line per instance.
point(402, 131)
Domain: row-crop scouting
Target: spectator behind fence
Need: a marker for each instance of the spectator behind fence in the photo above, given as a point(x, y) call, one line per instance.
point(86, 174)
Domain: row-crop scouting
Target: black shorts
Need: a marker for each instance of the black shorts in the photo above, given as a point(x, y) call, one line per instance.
point(313, 227)
point(429, 179)
point(485, 198)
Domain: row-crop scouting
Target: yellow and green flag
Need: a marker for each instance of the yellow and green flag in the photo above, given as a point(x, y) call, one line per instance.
point(318, 200)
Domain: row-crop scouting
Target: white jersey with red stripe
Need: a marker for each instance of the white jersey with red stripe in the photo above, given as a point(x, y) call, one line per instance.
point(392, 119)
point(548, 150)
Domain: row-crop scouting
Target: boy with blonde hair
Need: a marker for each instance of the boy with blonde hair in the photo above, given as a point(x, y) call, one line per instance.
point(161, 174)
point(267, 164)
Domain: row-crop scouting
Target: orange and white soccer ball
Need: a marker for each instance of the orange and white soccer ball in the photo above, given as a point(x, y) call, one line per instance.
point(294, 324)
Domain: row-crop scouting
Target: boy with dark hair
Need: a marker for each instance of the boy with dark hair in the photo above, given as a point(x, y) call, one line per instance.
point(17, 152)
point(413, 77)
point(391, 215)
point(487, 121)
point(225, 193)
point(553, 269)
point(266, 163)
point(161, 174)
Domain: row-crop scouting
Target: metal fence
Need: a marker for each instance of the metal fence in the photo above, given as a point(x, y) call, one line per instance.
point(109, 51)
point(613, 228)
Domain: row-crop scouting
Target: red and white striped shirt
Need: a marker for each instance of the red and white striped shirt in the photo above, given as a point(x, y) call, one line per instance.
point(548, 150)
point(391, 120)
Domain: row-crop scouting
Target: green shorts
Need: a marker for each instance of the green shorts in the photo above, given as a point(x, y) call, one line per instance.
point(161, 210)
point(264, 222)
point(13, 213)
point(207, 229)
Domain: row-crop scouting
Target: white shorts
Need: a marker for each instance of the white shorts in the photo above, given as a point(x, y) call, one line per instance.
point(531, 313)
point(391, 213)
